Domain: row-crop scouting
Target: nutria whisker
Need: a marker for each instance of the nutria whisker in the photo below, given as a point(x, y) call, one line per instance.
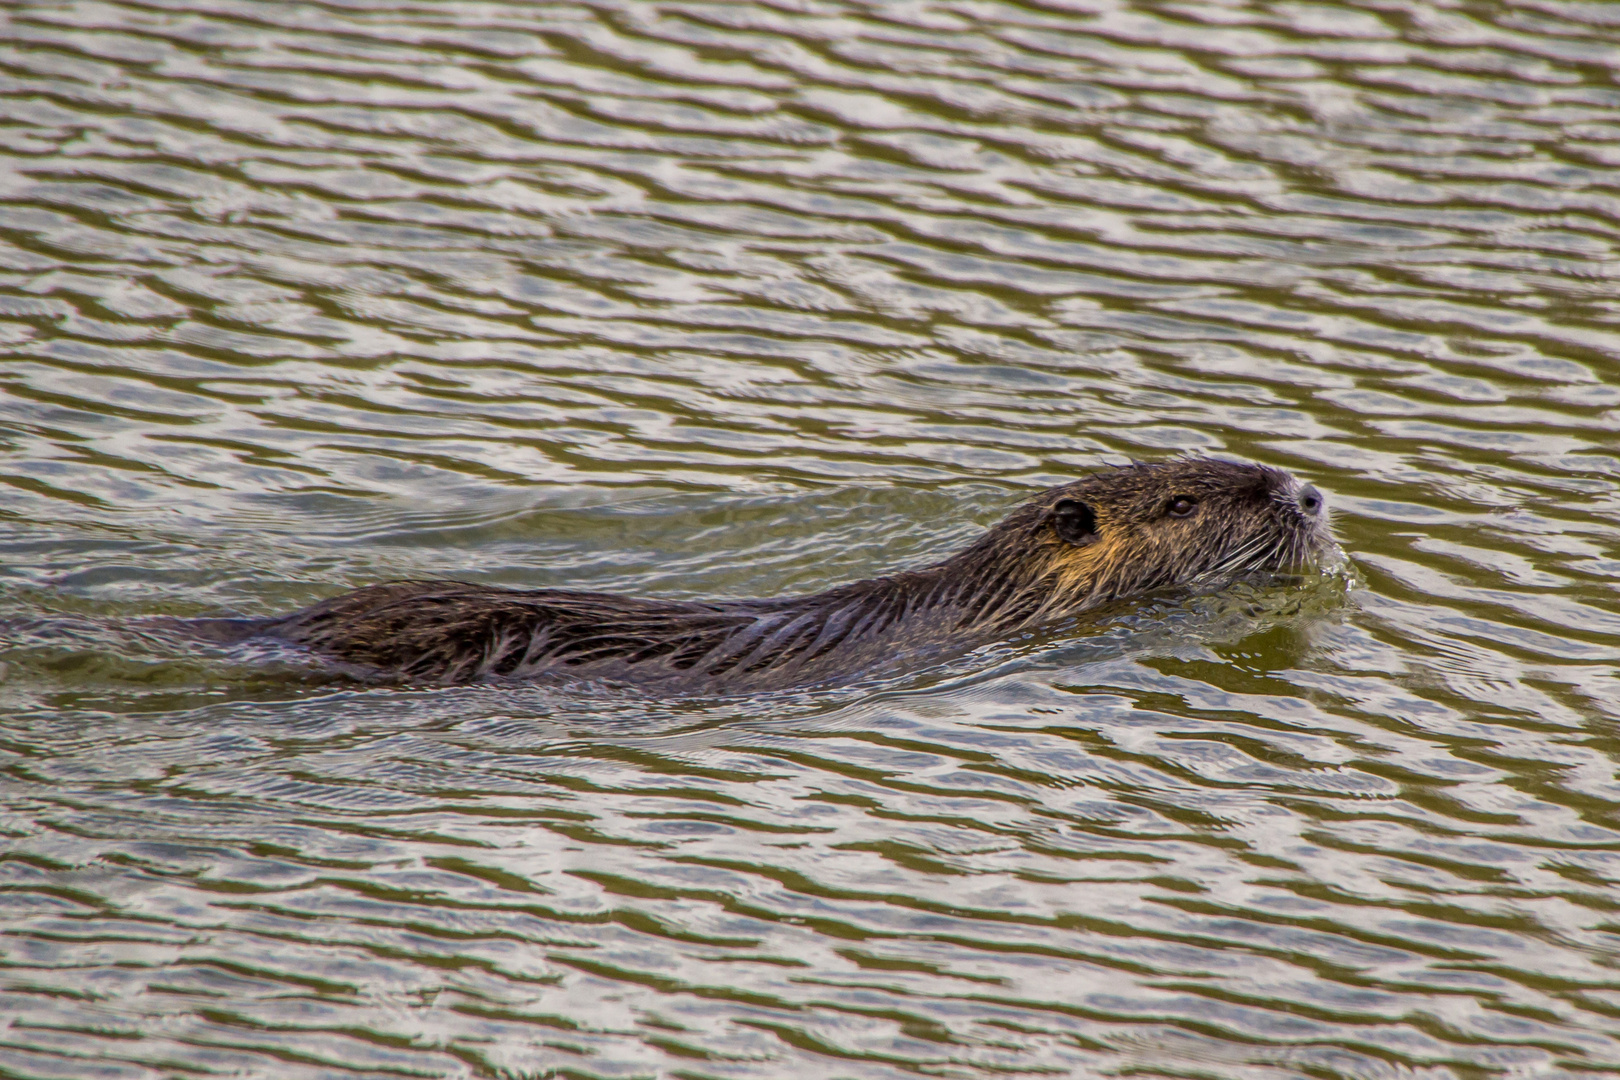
point(1115, 533)
point(1238, 560)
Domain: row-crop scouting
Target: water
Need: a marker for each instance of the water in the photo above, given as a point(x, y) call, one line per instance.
point(701, 299)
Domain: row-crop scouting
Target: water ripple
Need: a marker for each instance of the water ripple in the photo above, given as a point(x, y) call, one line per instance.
point(698, 299)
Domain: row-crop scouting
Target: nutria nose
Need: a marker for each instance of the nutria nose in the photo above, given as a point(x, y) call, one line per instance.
point(1310, 500)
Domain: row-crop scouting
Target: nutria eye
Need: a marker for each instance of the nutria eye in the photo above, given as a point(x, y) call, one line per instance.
point(1182, 505)
point(1074, 522)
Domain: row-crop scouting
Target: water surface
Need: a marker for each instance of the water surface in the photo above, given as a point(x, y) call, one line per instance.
point(736, 299)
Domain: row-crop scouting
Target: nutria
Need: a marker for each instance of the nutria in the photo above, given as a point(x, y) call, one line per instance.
point(1115, 533)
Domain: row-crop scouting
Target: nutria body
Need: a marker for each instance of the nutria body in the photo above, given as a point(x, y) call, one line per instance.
point(1115, 533)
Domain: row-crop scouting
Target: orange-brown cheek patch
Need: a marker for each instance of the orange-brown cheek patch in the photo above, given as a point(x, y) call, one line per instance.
point(1076, 569)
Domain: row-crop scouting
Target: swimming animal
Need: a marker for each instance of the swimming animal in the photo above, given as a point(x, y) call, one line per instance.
point(1118, 532)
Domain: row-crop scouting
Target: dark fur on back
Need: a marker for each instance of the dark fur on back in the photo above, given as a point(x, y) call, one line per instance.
point(1035, 566)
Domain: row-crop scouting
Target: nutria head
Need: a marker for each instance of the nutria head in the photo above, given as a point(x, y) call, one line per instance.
point(1147, 526)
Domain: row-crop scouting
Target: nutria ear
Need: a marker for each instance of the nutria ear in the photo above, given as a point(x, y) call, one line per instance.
point(1074, 522)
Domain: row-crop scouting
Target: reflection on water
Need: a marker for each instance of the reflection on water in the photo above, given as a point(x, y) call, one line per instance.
point(706, 299)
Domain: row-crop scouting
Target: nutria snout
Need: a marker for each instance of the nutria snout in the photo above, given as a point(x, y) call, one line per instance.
point(1115, 533)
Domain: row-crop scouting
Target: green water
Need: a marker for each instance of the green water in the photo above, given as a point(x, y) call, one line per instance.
point(709, 299)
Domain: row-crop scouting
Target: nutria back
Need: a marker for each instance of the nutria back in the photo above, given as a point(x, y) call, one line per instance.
point(1115, 533)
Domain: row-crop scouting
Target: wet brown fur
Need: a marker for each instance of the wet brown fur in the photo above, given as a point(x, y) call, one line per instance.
point(1020, 573)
